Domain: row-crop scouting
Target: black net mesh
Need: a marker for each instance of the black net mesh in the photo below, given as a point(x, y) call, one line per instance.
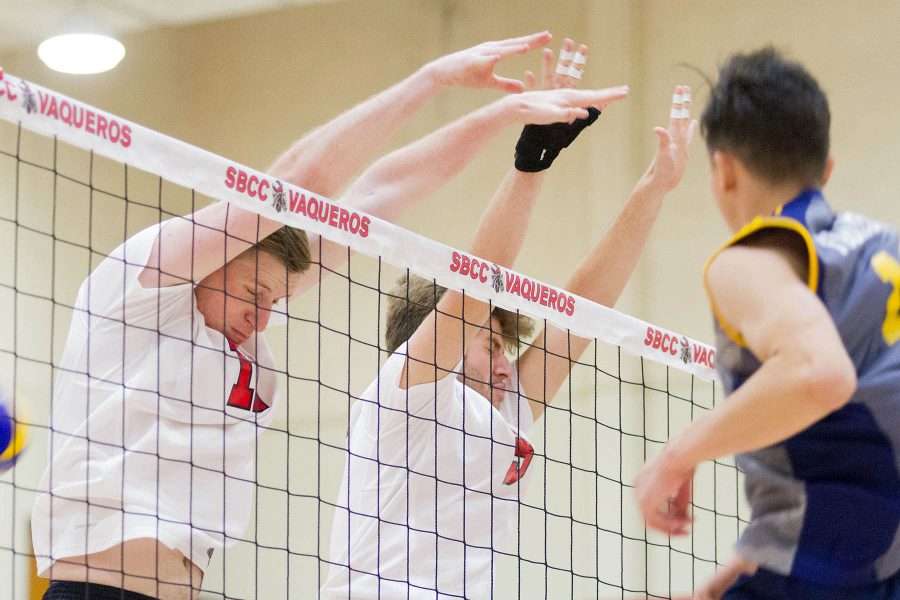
point(576, 531)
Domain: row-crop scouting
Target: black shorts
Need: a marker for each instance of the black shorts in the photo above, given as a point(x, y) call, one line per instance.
point(79, 590)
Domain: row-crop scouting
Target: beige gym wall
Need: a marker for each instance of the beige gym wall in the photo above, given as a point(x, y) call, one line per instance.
point(247, 87)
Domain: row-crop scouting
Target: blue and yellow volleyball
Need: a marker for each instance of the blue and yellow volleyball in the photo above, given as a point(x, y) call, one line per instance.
point(13, 435)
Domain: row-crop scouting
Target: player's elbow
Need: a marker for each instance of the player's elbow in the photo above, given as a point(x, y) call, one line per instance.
point(830, 383)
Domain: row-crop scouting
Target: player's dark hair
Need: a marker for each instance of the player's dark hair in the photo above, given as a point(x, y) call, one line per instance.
point(772, 115)
point(413, 298)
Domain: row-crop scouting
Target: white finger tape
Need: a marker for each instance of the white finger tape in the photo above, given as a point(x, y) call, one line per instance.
point(686, 97)
point(677, 98)
point(579, 59)
point(564, 55)
point(574, 72)
point(680, 113)
point(561, 70)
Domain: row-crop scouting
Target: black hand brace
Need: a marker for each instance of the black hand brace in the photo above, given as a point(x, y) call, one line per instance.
point(539, 145)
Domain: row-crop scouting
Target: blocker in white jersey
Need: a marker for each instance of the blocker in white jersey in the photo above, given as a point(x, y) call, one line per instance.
point(437, 449)
point(154, 422)
point(432, 483)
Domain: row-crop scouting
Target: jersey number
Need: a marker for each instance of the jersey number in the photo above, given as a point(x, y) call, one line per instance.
point(242, 395)
point(888, 270)
point(524, 454)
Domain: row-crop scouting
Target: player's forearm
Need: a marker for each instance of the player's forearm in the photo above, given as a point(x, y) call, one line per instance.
point(786, 395)
point(322, 161)
point(600, 276)
point(404, 177)
point(327, 157)
point(499, 238)
point(606, 269)
point(501, 232)
point(190, 248)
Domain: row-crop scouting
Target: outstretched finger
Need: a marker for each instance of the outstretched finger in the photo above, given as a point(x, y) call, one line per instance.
point(576, 67)
point(685, 107)
point(664, 138)
point(507, 84)
point(677, 114)
point(577, 113)
point(530, 81)
point(509, 50)
point(547, 69)
point(566, 52)
point(532, 41)
point(692, 130)
point(598, 98)
point(686, 96)
point(513, 86)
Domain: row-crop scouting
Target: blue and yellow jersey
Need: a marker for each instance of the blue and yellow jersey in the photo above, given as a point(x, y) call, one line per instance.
point(826, 502)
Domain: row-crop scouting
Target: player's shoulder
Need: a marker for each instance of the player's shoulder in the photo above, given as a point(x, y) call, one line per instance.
point(764, 254)
point(748, 275)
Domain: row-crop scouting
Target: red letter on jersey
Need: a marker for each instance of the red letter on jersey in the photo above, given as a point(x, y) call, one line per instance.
point(242, 395)
point(517, 469)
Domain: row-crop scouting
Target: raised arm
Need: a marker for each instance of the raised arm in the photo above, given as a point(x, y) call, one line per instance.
point(323, 161)
point(501, 222)
point(604, 271)
point(330, 155)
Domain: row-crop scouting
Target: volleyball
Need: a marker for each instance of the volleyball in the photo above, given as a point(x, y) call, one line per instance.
point(12, 435)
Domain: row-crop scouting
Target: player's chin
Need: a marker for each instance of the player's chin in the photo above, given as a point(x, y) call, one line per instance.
point(235, 336)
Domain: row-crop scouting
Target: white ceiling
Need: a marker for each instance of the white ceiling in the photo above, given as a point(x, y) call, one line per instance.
point(25, 23)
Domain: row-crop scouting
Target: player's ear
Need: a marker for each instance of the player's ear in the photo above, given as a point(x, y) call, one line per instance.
point(724, 171)
point(829, 167)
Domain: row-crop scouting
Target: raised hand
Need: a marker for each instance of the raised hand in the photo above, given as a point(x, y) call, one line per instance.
point(671, 157)
point(560, 105)
point(539, 145)
point(568, 71)
point(474, 67)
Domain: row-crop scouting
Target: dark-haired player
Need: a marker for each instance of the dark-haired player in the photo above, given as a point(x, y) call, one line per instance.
point(806, 303)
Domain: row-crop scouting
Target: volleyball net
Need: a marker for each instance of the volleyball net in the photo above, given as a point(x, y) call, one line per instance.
point(77, 182)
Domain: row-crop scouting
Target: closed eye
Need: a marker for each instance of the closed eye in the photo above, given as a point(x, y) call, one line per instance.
point(252, 294)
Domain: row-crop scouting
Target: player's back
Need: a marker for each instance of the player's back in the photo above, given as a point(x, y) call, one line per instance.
point(826, 502)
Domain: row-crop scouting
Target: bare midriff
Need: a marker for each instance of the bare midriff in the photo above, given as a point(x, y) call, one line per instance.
point(144, 565)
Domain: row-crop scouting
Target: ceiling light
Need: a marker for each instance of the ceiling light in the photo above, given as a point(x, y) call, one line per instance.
point(81, 53)
point(82, 43)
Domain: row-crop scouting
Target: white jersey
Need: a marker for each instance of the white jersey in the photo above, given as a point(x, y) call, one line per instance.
point(154, 421)
point(433, 480)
